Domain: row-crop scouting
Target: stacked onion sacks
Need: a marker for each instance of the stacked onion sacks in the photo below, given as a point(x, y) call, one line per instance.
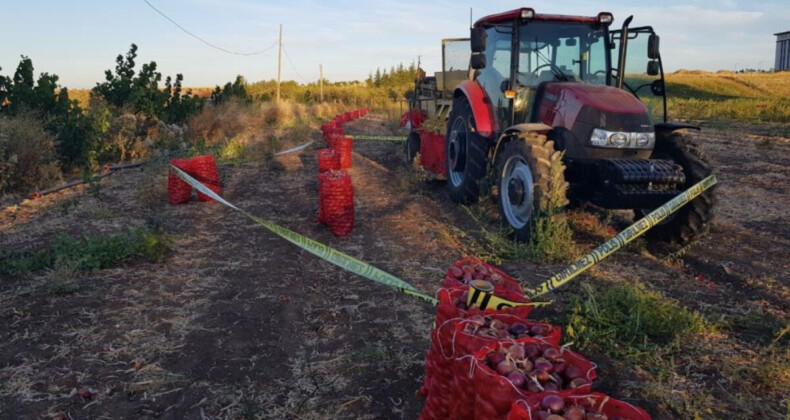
point(539, 367)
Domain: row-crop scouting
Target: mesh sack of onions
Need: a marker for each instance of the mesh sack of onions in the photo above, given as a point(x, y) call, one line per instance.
point(524, 370)
point(328, 160)
point(344, 146)
point(454, 343)
point(468, 269)
point(204, 169)
point(595, 406)
point(337, 201)
point(178, 191)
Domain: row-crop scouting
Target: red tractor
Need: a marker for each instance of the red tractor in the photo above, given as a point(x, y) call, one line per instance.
point(550, 109)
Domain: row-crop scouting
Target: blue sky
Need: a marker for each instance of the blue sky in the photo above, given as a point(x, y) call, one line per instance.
point(79, 39)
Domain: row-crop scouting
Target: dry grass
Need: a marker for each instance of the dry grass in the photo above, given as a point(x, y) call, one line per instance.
point(27, 154)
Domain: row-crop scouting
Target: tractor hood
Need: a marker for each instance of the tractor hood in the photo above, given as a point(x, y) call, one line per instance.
point(564, 103)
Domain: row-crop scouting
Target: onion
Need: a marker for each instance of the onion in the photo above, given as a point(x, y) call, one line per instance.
point(596, 416)
point(551, 353)
point(533, 387)
point(467, 278)
point(467, 269)
point(517, 351)
point(525, 365)
point(541, 375)
point(574, 413)
point(517, 378)
point(557, 379)
point(456, 273)
point(538, 330)
point(505, 367)
point(477, 320)
point(518, 328)
point(555, 417)
point(542, 415)
point(478, 276)
point(495, 323)
point(480, 268)
point(559, 365)
point(496, 279)
point(551, 386)
point(495, 358)
point(572, 372)
point(532, 351)
point(579, 382)
point(543, 364)
point(553, 403)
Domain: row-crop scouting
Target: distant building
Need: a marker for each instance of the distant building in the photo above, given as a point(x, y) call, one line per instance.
point(782, 51)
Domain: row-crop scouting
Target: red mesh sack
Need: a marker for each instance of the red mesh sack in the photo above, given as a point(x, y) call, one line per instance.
point(328, 160)
point(204, 169)
point(495, 394)
point(432, 152)
point(416, 117)
point(337, 201)
point(596, 402)
point(469, 268)
point(178, 191)
point(356, 114)
point(344, 146)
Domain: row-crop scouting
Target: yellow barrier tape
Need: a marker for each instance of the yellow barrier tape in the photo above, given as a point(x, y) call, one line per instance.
point(623, 238)
point(318, 249)
point(363, 137)
point(294, 149)
point(484, 300)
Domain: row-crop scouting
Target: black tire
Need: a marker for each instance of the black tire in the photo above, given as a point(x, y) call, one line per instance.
point(693, 220)
point(465, 154)
point(529, 155)
point(412, 147)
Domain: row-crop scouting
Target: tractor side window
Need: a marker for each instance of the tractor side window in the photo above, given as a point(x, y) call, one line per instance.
point(596, 59)
point(497, 70)
point(636, 75)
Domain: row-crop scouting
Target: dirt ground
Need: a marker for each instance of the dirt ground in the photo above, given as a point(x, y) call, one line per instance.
point(238, 323)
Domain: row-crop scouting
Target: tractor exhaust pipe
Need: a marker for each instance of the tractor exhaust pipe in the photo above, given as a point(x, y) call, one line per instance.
point(623, 50)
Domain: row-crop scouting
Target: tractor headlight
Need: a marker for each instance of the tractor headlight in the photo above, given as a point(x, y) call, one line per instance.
point(622, 140)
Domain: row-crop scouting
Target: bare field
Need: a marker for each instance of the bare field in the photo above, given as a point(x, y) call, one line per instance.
point(237, 323)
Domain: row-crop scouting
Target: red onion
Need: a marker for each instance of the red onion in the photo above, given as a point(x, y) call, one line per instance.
point(495, 358)
point(505, 367)
point(574, 413)
point(578, 382)
point(532, 351)
point(517, 351)
point(518, 379)
point(456, 273)
point(552, 403)
point(551, 353)
point(572, 372)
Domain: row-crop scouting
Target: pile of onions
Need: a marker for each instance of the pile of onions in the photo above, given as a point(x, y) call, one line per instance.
point(553, 407)
point(468, 272)
point(534, 369)
point(485, 326)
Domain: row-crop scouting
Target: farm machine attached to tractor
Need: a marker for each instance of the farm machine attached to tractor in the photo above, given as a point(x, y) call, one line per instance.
point(550, 109)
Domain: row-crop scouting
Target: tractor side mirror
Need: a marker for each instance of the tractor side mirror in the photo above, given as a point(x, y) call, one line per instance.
point(570, 42)
point(657, 87)
point(652, 68)
point(478, 61)
point(652, 47)
point(478, 39)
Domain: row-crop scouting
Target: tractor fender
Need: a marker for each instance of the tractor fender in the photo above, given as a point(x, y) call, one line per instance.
point(508, 134)
point(479, 103)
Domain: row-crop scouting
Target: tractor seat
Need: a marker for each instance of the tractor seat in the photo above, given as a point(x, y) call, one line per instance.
point(546, 76)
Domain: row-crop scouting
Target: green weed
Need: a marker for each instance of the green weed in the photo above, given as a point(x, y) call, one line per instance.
point(89, 252)
point(631, 323)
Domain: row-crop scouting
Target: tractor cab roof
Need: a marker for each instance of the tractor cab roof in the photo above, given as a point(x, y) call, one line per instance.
point(529, 13)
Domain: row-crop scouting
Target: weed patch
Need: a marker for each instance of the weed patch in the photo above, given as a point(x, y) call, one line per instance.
point(631, 323)
point(89, 252)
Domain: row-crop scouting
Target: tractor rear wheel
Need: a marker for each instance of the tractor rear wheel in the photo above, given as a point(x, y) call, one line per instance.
point(693, 220)
point(412, 147)
point(465, 154)
point(531, 180)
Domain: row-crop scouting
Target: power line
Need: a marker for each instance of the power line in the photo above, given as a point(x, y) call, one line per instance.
point(206, 42)
point(294, 67)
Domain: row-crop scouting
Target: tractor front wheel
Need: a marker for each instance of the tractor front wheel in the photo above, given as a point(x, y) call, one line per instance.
point(530, 179)
point(693, 220)
point(465, 154)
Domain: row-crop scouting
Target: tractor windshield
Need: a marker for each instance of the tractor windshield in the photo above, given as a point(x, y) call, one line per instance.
point(562, 51)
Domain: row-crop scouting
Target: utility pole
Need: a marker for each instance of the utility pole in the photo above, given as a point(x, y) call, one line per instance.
point(279, 61)
point(321, 80)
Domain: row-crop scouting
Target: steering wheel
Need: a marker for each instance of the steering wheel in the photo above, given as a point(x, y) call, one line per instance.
point(558, 73)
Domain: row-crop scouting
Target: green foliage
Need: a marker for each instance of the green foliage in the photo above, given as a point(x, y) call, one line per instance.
point(626, 320)
point(236, 91)
point(140, 92)
point(89, 252)
point(27, 154)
